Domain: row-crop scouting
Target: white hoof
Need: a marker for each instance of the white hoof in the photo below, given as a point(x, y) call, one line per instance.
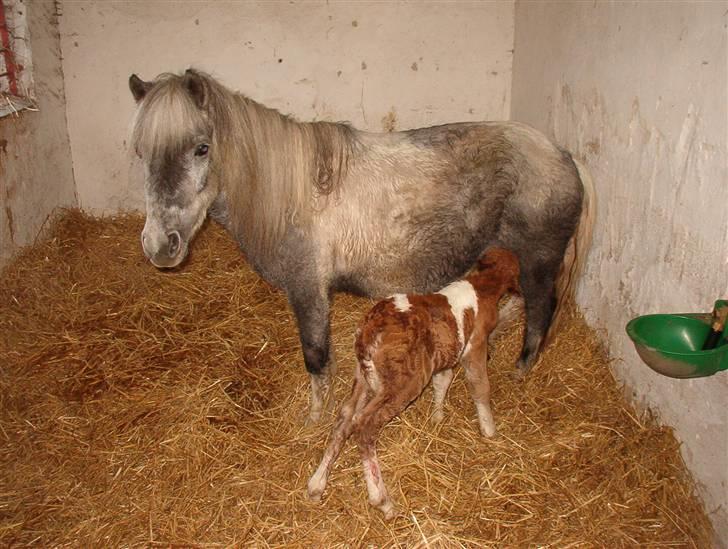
point(487, 430)
point(388, 510)
point(316, 489)
point(437, 417)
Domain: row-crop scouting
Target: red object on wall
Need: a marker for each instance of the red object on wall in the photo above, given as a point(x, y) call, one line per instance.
point(11, 69)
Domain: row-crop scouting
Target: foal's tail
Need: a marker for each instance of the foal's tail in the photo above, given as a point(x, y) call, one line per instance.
point(576, 252)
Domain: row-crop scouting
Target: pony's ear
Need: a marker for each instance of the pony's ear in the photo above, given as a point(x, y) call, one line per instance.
point(195, 85)
point(138, 87)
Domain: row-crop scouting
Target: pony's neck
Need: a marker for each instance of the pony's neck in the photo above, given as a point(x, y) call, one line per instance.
point(271, 169)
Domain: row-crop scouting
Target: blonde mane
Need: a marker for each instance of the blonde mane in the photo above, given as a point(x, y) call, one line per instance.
point(271, 168)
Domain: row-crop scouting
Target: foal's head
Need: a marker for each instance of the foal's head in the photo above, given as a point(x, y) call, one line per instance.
point(173, 135)
point(498, 265)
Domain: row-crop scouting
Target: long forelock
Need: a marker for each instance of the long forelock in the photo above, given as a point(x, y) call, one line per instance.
point(166, 120)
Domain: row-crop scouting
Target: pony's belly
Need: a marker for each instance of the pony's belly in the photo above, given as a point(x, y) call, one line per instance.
point(413, 273)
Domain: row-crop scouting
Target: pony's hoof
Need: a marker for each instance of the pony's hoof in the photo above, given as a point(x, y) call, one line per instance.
point(437, 417)
point(314, 416)
point(330, 403)
point(315, 496)
point(521, 370)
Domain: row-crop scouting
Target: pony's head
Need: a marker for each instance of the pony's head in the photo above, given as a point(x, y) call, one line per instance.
point(173, 135)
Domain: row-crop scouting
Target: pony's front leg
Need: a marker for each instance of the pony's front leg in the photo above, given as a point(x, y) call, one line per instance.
point(311, 308)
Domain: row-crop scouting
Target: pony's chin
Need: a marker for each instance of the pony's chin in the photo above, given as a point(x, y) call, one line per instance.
point(169, 262)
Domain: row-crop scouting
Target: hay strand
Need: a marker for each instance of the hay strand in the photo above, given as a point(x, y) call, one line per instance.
point(140, 407)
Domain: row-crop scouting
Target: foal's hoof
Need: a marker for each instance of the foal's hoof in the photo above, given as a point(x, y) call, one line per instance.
point(388, 510)
point(315, 489)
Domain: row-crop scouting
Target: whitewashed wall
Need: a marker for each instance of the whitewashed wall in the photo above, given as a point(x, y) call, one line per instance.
point(636, 90)
point(639, 92)
point(370, 63)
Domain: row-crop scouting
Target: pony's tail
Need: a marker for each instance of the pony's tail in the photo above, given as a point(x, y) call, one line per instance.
point(576, 252)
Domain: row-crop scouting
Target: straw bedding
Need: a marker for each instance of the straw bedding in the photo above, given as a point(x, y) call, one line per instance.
point(151, 408)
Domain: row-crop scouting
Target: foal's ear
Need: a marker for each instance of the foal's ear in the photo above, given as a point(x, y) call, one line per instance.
point(195, 85)
point(138, 87)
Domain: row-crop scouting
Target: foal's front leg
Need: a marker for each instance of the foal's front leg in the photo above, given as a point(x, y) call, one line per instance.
point(440, 384)
point(476, 373)
point(311, 307)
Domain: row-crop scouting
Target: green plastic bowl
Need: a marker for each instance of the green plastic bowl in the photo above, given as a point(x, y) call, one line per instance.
point(670, 344)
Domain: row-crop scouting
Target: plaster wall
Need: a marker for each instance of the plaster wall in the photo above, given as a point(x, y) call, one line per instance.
point(377, 65)
point(638, 91)
point(36, 174)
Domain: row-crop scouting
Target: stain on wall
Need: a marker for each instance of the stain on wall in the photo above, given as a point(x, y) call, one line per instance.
point(349, 61)
point(639, 94)
point(36, 174)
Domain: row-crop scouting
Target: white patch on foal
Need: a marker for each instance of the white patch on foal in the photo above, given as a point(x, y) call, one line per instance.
point(401, 303)
point(461, 296)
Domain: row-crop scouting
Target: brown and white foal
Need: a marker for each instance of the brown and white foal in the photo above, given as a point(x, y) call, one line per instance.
point(405, 341)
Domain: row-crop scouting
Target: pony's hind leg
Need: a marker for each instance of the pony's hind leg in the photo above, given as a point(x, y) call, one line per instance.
point(341, 431)
point(538, 288)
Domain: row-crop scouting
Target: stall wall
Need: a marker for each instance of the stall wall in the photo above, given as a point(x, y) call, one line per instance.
point(377, 65)
point(36, 175)
point(638, 92)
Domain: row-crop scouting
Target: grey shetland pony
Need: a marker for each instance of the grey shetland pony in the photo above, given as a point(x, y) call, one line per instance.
point(321, 207)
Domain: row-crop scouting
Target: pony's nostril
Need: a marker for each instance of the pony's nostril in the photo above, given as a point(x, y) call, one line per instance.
point(173, 249)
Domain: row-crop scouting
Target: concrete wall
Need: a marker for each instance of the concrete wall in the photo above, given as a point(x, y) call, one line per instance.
point(36, 174)
point(375, 64)
point(639, 92)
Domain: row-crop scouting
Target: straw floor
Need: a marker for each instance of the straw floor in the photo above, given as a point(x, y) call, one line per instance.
point(148, 408)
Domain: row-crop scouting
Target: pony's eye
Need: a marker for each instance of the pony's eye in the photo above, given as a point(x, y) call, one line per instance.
point(201, 150)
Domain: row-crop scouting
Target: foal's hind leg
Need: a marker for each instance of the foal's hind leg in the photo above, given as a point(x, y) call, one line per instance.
point(339, 434)
point(375, 415)
point(311, 307)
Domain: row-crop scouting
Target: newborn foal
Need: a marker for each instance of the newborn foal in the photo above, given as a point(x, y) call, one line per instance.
point(405, 341)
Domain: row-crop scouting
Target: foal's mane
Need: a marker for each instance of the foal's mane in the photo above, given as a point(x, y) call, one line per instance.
point(272, 169)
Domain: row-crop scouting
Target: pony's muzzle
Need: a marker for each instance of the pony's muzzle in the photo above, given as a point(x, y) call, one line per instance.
point(164, 251)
